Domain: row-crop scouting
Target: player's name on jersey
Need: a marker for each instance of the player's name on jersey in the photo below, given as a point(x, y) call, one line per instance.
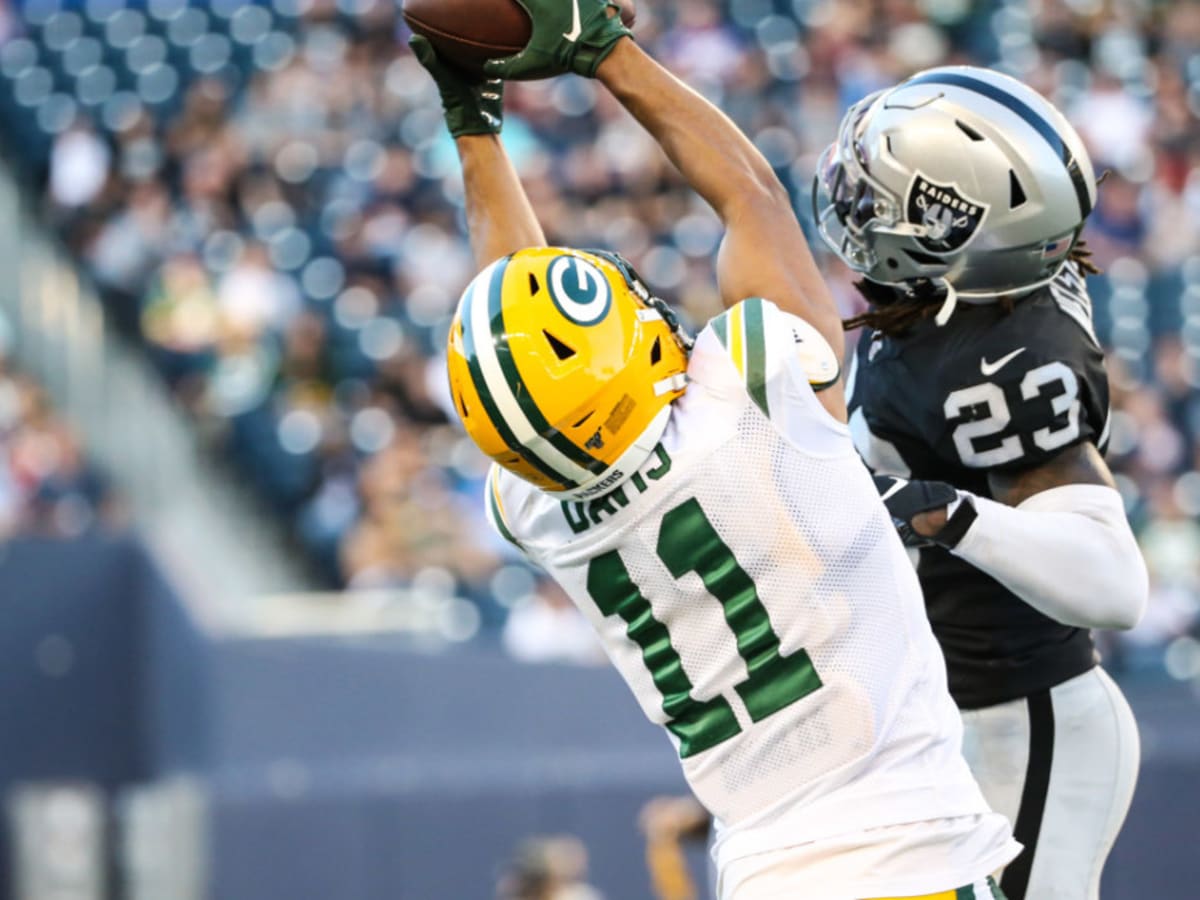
point(582, 515)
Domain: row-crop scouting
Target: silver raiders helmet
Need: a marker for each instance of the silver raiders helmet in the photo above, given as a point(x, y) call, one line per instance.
point(958, 176)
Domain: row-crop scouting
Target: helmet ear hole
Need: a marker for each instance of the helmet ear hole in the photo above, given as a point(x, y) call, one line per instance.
point(968, 130)
point(1015, 191)
point(656, 352)
point(561, 350)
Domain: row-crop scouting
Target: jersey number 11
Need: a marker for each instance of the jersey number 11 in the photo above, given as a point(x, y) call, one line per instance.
point(687, 543)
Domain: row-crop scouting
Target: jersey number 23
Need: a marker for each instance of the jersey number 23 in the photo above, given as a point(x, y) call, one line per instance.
point(987, 416)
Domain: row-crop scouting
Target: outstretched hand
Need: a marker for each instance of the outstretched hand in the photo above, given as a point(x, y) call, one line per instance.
point(568, 36)
point(472, 104)
point(926, 512)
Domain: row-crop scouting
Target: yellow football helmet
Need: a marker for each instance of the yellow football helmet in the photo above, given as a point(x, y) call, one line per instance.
point(563, 368)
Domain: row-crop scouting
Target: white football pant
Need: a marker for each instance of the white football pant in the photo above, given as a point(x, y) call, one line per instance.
point(1061, 765)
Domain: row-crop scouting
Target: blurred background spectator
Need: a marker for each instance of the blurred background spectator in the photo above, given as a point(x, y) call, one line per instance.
point(47, 486)
point(267, 199)
point(548, 868)
point(545, 627)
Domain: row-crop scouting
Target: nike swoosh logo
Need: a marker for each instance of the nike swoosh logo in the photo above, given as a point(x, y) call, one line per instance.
point(577, 28)
point(989, 369)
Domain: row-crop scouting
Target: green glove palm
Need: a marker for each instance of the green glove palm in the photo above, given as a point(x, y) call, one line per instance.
point(568, 36)
point(473, 105)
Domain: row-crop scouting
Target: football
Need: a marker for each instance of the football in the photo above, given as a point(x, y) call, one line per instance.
point(470, 32)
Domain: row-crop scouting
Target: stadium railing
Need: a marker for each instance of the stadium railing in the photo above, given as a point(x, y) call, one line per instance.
point(220, 549)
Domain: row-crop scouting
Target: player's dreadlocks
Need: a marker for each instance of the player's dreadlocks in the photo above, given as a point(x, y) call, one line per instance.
point(895, 310)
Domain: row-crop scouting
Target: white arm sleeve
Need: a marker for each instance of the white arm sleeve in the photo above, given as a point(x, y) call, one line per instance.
point(1068, 552)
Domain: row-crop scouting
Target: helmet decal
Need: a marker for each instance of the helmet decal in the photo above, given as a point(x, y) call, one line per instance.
point(483, 364)
point(579, 290)
point(551, 441)
point(1036, 121)
point(950, 218)
point(523, 409)
point(959, 175)
point(513, 411)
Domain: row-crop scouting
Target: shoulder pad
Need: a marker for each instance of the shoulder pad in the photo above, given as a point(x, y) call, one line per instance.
point(818, 360)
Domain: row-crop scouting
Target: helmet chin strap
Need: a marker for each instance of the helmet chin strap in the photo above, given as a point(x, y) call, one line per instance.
point(670, 385)
point(978, 298)
point(948, 305)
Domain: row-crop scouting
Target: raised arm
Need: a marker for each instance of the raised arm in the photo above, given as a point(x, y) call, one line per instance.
point(499, 216)
point(764, 253)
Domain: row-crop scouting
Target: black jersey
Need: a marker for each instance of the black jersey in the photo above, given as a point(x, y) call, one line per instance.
point(991, 390)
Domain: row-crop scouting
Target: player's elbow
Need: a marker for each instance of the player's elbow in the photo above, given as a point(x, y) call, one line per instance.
point(1124, 622)
point(761, 198)
point(1124, 615)
point(1127, 588)
point(1134, 596)
point(1108, 568)
point(771, 192)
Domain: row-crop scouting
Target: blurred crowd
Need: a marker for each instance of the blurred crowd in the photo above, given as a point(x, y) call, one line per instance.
point(266, 196)
point(47, 486)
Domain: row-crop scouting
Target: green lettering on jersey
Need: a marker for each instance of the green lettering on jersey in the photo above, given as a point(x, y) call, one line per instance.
point(601, 505)
point(578, 520)
point(578, 514)
point(664, 463)
point(688, 542)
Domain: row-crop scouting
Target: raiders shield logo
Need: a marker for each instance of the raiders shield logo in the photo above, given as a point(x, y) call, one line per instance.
point(950, 218)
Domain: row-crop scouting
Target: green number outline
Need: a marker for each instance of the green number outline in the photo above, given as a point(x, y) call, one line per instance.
point(688, 542)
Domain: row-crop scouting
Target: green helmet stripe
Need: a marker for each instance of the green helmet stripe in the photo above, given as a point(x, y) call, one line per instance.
point(485, 394)
point(516, 385)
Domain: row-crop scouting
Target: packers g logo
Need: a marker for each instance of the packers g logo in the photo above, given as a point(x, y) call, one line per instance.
point(579, 290)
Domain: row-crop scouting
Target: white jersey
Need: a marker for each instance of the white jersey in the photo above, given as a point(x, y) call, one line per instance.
point(749, 585)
